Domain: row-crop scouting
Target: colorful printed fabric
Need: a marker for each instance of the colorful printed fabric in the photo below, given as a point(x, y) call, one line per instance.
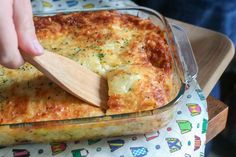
point(52, 5)
point(184, 136)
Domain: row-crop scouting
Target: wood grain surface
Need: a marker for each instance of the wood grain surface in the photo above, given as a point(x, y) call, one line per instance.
point(218, 113)
point(213, 52)
point(72, 77)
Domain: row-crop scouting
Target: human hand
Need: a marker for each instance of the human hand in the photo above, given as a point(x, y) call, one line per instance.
point(17, 31)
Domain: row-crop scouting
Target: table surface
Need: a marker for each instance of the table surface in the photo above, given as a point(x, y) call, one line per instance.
point(213, 52)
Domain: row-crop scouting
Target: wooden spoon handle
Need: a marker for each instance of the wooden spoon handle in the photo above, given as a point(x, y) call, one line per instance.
point(72, 77)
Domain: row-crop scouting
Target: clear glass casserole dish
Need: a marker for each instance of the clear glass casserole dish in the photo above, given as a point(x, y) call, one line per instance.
point(113, 125)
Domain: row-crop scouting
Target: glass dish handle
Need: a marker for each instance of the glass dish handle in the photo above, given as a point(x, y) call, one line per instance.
point(185, 53)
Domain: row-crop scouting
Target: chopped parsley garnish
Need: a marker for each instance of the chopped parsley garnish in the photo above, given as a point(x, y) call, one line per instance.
point(56, 49)
point(100, 56)
point(95, 47)
point(4, 80)
point(72, 55)
point(126, 42)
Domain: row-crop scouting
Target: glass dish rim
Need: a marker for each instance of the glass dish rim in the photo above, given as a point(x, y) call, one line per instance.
point(84, 120)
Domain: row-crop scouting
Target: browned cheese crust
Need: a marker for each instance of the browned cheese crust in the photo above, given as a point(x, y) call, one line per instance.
point(131, 53)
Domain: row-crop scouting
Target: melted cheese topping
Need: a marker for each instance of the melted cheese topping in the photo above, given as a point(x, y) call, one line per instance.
point(26, 95)
point(122, 83)
point(136, 87)
point(131, 53)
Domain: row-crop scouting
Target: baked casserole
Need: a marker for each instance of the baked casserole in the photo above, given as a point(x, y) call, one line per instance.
point(130, 52)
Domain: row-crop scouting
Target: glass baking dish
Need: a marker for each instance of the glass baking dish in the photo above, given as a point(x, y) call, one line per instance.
point(113, 125)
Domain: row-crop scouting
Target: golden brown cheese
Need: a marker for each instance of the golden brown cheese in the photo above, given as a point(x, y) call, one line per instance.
point(27, 96)
point(131, 53)
point(136, 88)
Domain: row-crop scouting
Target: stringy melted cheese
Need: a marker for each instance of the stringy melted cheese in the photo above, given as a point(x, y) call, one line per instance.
point(131, 53)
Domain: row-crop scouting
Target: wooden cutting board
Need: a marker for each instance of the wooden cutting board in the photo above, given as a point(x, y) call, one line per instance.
point(213, 52)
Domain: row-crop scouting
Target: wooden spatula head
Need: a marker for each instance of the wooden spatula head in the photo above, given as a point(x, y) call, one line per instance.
point(72, 77)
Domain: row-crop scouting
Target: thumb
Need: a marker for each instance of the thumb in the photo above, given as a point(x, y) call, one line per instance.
point(23, 20)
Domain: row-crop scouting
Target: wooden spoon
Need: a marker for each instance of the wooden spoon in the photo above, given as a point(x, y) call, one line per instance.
point(72, 77)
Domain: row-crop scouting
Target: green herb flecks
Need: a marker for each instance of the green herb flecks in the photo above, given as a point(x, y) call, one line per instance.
point(100, 56)
point(4, 80)
point(74, 53)
point(56, 49)
point(126, 42)
point(96, 48)
point(65, 42)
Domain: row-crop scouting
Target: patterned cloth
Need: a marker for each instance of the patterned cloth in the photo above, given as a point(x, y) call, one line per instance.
point(184, 136)
point(52, 5)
